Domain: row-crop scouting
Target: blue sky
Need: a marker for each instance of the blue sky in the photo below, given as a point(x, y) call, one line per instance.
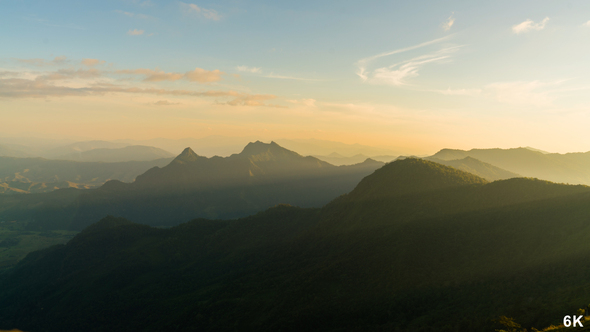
point(414, 76)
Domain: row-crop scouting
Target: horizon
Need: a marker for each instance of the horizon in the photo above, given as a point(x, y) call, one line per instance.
point(412, 78)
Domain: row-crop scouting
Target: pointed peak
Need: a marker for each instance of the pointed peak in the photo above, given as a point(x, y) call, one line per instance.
point(187, 155)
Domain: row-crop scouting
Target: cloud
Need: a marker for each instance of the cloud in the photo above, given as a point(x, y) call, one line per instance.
point(58, 60)
point(448, 23)
point(64, 74)
point(305, 102)
point(397, 74)
point(43, 88)
point(362, 64)
point(191, 8)
point(203, 76)
point(587, 24)
point(92, 62)
point(135, 32)
point(249, 69)
point(529, 25)
point(164, 103)
point(198, 75)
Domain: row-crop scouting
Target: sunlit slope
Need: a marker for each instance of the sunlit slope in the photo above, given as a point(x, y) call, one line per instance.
point(564, 168)
point(477, 167)
point(416, 245)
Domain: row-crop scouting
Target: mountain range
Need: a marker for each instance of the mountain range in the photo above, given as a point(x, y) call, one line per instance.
point(415, 246)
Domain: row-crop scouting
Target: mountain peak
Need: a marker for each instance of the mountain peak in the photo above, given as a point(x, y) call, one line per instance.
point(258, 147)
point(187, 155)
point(412, 175)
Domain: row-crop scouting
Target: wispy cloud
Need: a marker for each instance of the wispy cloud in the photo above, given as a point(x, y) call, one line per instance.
point(65, 74)
point(135, 32)
point(37, 88)
point(197, 75)
point(398, 73)
point(192, 9)
point(587, 24)
point(92, 62)
point(249, 69)
point(58, 60)
point(529, 25)
point(448, 23)
point(362, 64)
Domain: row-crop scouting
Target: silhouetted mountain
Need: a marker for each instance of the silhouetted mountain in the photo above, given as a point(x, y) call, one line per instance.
point(564, 168)
point(190, 186)
point(416, 246)
point(80, 147)
point(479, 168)
point(128, 153)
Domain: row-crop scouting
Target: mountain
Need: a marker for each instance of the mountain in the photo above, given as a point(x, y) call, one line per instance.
point(31, 171)
point(260, 176)
point(128, 153)
point(338, 159)
point(416, 246)
point(479, 168)
point(563, 168)
point(78, 147)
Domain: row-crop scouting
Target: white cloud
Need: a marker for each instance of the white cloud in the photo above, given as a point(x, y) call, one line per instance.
point(448, 23)
point(397, 74)
point(191, 8)
point(271, 75)
point(362, 64)
point(135, 32)
point(529, 25)
point(249, 69)
point(587, 24)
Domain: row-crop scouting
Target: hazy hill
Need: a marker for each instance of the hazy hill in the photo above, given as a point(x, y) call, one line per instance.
point(479, 168)
point(6, 151)
point(469, 251)
point(110, 155)
point(563, 168)
point(39, 170)
point(190, 186)
point(80, 147)
point(323, 147)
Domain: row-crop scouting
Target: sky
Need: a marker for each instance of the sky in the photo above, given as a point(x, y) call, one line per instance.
point(413, 76)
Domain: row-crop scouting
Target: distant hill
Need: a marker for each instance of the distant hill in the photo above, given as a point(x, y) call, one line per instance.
point(190, 186)
point(338, 159)
point(416, 246)
point(324, 147)
point(6, 151)
point(563, 168)
point(479, 168)
point(128, 153)
point(80, 147)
